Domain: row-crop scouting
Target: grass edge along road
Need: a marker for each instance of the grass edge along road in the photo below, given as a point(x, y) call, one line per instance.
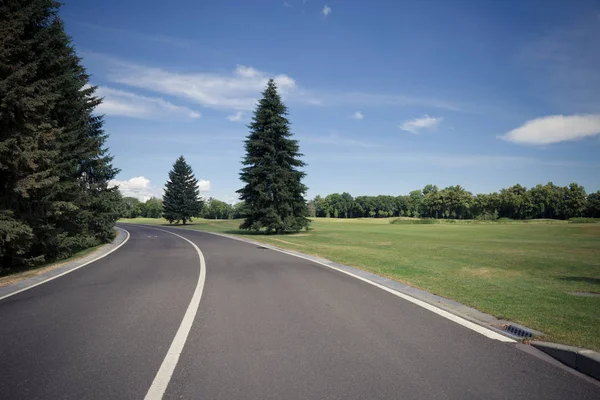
point(520, 272)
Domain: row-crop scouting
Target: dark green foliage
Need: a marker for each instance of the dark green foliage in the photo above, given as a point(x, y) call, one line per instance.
point(130, 207)
point(454, 202)
point(54, 169)
point(274, 192)
point(181, 200)
point(593, 205)
point(217, 209)
point(239, 210)
point(153, 208)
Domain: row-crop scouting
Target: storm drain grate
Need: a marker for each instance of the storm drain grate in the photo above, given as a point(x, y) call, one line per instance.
point(518, 331)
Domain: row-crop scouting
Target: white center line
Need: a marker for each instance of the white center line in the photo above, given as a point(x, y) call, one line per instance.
point(165, 372)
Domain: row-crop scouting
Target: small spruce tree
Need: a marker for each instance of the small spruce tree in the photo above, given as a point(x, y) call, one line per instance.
point(181, 200)
point(274, 193)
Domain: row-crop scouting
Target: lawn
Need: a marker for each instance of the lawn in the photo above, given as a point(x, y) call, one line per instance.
point(520, 272)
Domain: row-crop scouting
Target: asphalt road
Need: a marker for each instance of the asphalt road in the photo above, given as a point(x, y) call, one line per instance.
point(269, 326)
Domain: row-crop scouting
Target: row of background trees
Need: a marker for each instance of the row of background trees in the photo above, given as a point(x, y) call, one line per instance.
point(153, 208)
point(455, 202)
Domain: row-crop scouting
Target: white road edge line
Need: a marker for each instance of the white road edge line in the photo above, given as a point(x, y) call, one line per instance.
point(69, 271)
point(165, 372)
point(442, 313)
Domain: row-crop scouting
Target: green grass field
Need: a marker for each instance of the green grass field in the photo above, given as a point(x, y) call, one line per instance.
point(521, 272)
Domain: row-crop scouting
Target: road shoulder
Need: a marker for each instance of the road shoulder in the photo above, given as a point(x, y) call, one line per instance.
point(51, 272)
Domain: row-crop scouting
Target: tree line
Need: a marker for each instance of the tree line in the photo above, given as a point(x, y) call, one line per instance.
point(212, 208)
point(455, 202)
point(55, 170)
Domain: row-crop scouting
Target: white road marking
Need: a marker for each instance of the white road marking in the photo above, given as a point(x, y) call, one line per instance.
point(165, 372)
point(443, 313)
point(69, 271)
point(489, 333)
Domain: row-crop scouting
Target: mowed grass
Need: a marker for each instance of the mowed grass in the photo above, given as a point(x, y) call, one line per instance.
point(520, 272)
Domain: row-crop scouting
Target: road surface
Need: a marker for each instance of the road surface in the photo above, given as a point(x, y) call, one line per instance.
point(268, 326)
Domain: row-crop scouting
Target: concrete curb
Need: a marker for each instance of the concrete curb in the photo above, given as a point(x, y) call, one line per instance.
point(583, 360)
point(27, 283)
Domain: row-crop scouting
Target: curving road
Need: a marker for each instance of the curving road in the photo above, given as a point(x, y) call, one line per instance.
point(269, 326)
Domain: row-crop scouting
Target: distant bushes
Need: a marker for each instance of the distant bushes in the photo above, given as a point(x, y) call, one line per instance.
point(503, 221)
point(414, 221)
point(584, 220)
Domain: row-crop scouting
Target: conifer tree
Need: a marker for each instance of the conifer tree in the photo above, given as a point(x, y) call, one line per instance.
point(54, 169)
point(274, 192)
point(181, 200)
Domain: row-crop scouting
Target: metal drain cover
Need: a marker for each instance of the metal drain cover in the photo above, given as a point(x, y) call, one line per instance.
point(518, 331)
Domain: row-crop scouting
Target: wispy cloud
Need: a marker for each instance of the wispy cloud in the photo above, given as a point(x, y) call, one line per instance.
point(337, 139)
point(287, 4)
point(237, 117)
point(563, 65)
point(326, 10)
point(555, 129)
point(239, 90)
point(356, 98)
point(151, 37)
point(445, 160)
point(418, 124)
point(127, 104)
point(358, 115)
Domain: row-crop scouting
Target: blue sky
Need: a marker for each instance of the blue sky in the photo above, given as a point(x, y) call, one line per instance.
point(384, 96)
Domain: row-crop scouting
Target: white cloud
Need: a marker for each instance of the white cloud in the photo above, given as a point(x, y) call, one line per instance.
point(554, 129)
point(286, 4)
point(204, 185)
point(141, 188)
point(358, 115)
point(127, 104)
point(138, 187)
point(326, 10)
point(237, 117)
point(238, 91)
point(418, 124)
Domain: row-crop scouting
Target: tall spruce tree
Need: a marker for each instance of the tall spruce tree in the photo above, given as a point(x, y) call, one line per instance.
point(273, 193)
point(181, 200)
point(54, 169)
